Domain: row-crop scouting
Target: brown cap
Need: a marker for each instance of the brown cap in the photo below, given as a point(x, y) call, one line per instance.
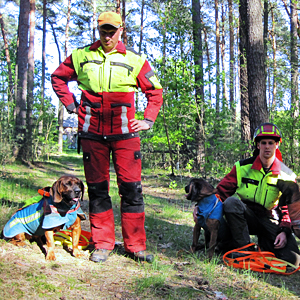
point(110, 18)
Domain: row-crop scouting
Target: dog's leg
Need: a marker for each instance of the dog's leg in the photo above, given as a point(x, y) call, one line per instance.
point(51, 245)
point(213, 226)
point(19, 240)
point(196, 235)
point(76, 232)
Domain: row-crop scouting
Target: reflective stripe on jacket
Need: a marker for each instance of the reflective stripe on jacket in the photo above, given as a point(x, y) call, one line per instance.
point(253, 184)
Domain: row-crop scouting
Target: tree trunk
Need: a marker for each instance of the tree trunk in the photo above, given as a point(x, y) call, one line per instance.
point(294, 59)
point(118, 7)
point(10, 79)
point(60, 105)
point(224, 89)
point(142, 26)
point(22, 60)
point(125, 40)
point(245, 120)
point(199, 88)
point(217, 57)
point(274, 48)
point(265, 34)
point(208, 63)
point(231, 63)
point(30, 85)
point(94, 20)
point(294, 80)
point(258, 111)
point(43, 65)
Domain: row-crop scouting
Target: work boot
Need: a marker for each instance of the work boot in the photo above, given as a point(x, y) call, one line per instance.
point(141, 256)
point(100, 255)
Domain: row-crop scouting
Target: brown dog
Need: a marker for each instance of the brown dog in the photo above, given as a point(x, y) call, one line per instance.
point(207, 213)
point(59, 208)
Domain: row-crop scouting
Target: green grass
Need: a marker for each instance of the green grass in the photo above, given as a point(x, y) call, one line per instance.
point(175, 273)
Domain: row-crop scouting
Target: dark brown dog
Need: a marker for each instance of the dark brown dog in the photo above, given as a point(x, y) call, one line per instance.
point(59, 205)
point(207, 213)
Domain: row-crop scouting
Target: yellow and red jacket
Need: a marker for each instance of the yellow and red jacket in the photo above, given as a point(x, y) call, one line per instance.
point(249, 181)
point(108, 82)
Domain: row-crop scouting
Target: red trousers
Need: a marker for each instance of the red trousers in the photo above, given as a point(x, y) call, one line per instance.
point(126, 158)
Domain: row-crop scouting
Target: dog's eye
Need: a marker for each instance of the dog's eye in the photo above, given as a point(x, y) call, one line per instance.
point(69, 183)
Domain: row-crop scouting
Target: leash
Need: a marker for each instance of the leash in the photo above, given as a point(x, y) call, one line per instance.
point(64, 238)
point(259, 261)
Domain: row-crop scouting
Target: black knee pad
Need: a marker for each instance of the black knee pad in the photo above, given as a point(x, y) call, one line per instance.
point(99, 198)
point(132, 198)
point(234, 205)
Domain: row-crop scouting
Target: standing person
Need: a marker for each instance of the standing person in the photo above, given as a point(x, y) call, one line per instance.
point(257, 181)
point(108, 74)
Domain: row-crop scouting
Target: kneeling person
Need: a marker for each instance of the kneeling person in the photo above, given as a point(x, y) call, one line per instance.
point(255, 212)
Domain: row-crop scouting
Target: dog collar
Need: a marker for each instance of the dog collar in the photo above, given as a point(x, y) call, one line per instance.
point(43, 193)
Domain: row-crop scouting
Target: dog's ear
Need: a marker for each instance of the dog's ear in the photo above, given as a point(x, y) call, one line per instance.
point(82, 189)
point(197, 187)
point(204, 188)
point(56, 187)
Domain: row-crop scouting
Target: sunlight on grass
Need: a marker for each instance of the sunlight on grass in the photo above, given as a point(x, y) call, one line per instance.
point(175, 272)
point(154, 281)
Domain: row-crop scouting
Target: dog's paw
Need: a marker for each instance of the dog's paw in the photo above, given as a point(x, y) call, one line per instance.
point(76, 253)
point(50, 255)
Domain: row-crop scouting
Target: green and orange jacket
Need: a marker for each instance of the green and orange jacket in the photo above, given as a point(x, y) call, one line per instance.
point(249, 181)
point(109, 82)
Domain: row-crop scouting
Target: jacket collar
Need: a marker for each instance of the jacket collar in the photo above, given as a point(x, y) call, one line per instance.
point(275, 168)
point(120, 47)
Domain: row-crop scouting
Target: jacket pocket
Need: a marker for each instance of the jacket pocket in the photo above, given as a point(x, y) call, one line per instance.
point(248, 181)
point(121, 77)
point(91, 75)
point(119, 117)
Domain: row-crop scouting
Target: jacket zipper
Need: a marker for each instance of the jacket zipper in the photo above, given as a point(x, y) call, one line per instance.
point(109, 79)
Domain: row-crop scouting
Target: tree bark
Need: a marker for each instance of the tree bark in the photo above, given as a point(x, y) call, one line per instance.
point(258, 112)
point(22, 61)
point(43, 65)
point(10, 79)
point(28, 142)
point(294, 59)
point(94, 20)
point(125, 40)
point(294, 81)
point(60, 105)
point(243, 32)
point(208, 63)
point(217, 57)
point(199, 87)
point(142, 26)
point(231, 63)
point(274, 48)
point(224, 88)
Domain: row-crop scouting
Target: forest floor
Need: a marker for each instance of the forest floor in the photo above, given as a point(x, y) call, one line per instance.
point(175, 273)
